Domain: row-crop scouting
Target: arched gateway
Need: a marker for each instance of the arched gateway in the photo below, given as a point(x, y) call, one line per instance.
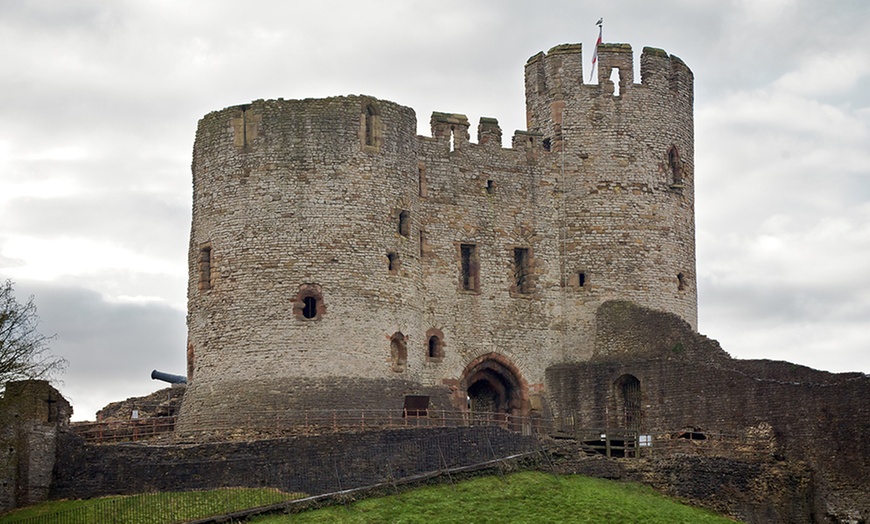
point(492, 384)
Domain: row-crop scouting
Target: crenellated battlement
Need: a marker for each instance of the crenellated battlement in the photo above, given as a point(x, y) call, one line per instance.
point(571, 113)
point(560, 71)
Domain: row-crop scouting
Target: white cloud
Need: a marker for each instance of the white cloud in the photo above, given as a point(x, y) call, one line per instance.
point(54, 258)
point(826, 73)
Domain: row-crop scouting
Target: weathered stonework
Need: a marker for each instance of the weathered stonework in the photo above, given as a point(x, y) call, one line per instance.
point(330, 242)
point(32, 415)
point(792, 415)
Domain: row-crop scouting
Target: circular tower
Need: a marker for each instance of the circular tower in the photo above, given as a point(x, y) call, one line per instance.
point(287, 232)
point(624, 156)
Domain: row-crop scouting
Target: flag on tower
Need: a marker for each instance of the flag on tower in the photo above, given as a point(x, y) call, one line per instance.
point(600, 24)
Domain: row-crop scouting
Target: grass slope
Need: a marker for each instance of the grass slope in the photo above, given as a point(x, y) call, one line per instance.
point(531, 497)
point(150, 508)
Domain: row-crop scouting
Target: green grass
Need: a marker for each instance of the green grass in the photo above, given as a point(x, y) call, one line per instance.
point(531, 497)
point(151, 507)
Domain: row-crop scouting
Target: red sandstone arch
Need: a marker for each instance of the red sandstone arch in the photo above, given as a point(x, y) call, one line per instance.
point(495, 382)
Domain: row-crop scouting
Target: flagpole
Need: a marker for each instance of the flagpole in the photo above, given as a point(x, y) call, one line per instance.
point(600, 24)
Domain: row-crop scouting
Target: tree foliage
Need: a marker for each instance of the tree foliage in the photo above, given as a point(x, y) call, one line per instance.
point(24, 351)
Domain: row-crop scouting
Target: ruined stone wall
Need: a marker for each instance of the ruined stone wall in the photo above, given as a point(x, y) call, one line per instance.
point(751, 491)
point(329, 244)
point(688, 383)
point(32, 414)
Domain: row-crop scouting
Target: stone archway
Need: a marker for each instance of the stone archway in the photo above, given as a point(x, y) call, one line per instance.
point(627, 400)
point(492, 384)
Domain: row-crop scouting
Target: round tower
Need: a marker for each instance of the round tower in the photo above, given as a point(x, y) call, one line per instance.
point(297, 206)
point(624, 154)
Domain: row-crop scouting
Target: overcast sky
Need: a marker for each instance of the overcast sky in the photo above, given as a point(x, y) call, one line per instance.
point(101, 101)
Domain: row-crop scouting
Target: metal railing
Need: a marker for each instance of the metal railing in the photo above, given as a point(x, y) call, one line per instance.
point(492, 435)
point(611, 442)
point(124, 431)
point(264, 423)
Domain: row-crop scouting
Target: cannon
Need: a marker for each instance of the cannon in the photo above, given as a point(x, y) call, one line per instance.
point(166, 377)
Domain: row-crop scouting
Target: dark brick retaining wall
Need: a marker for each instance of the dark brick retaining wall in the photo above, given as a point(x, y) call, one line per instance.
point(313, 464)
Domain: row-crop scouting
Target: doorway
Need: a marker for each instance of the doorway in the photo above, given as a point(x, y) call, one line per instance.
point(494, 388)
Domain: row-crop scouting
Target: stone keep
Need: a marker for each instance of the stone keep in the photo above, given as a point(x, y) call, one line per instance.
point(339, 261)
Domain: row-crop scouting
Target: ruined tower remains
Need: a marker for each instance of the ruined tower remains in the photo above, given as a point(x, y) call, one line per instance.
point(338, 260)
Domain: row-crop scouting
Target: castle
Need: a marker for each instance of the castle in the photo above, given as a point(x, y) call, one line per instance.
point(340, 262)
point(337, 259)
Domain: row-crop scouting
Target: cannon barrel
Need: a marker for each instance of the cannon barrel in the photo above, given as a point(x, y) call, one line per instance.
point(166, 377)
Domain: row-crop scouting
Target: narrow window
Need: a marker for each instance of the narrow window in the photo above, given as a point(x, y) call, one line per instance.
point(422, 243)
point(405, 223)
point(470, 272)
point(546, 144)
point(205, 268)
point(581, 279)
point(434, 345)
point(675, 165)
point(421, 181)
point(392, 262)
point(452, 137)
point(398, 352)
point(681, 282)
point(309, 307)
point(522, 270)
point(489, 187)
point(370, 125)
point(308, 304)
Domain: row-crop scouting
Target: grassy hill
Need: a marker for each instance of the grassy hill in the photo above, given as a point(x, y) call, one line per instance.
point(531, 497)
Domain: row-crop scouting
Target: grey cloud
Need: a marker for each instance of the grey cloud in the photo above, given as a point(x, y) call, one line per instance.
point(144, 222)
point(111, 347)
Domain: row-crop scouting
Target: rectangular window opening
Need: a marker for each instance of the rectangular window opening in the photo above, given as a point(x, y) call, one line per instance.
point(470, 268)
point(522, 270)
point(392, 262)
point(205, 268)
point(422, 243)
point(422, 187)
